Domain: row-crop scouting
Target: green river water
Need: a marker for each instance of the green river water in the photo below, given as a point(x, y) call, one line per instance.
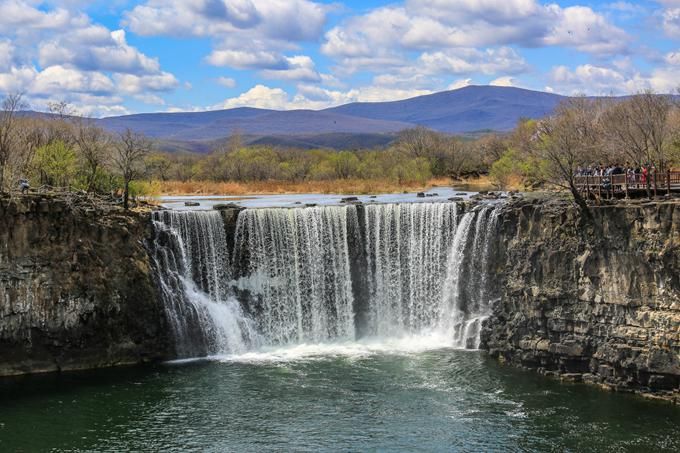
point(319, 398)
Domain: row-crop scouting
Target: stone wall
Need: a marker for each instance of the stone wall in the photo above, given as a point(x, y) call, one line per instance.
point(76, 289)
point(596, 302)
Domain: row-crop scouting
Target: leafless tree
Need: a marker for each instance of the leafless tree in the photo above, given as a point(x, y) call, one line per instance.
point(418, 142)
point(129, 152)
point(11, 106)
point(567, 140)
point(94, 146)
point(639, 130)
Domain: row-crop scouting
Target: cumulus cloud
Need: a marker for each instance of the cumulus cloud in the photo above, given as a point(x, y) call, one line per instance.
point(293, 20)
point(134, 84)
point(259, 96)
point(226, 82)
point(96, 48)
point(314, 97)
point(461, 83)
point(671, 22)
point(505, 81)
point(300, 68)
point(428, 24)
point(51, 50)
point(6, 55)
point(60, 79)
point(470, 60)
point(602, 80)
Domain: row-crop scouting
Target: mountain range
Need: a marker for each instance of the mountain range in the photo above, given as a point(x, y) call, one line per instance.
point(468, 110)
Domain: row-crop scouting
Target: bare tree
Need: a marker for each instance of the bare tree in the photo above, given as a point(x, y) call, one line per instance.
point(11, 106)
point(568, 140)
point(639, 129)
point(418, 141)
point(94, 148)
point(129, 152)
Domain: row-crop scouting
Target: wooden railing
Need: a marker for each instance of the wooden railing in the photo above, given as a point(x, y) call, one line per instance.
point(661, 182)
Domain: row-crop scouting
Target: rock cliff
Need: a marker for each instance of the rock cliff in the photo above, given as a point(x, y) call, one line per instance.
point(76, 289)
point(596, 302)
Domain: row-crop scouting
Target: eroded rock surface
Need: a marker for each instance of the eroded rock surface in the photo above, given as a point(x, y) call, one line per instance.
point(591, 302)
point(76, 289)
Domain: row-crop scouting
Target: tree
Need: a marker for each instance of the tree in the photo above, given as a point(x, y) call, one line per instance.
point(129, 152)
point(568, 140)
point(345, 164)
point(11, 105)
point(639, 130)
point(93, 148)
point(56, 163)
point(418, 141)
point(158, 165)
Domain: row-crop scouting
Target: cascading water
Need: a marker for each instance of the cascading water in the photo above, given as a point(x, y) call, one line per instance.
point(466, 292)
point(297, 267)
point(406, 250)
point(325, 274)
point(192, 269)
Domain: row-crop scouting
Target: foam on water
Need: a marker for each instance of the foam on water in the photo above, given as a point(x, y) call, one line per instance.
point(364, 347)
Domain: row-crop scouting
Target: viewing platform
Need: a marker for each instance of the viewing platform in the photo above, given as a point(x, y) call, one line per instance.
point(661, 183)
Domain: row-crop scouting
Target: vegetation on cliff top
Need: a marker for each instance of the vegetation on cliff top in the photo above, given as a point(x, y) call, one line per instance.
point(68, 151)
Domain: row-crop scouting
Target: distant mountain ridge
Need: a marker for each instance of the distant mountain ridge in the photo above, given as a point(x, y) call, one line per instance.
point(360, 124)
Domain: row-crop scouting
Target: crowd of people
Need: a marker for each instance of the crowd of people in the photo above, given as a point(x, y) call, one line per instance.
point(634, 175)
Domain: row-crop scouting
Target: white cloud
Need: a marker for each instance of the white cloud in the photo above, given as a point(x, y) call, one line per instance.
point(17, 16)
point(259, 96)
point(299, 67)
point(314, 97)
point(505, 81)
point(671, 22)
point(16, 79)
point(602, 80)
point(150, 99)
point(470, 61)
point(52, 51)
point(583, 29)
point(291, 20)
point(96, 48)
point(60, 79)
point(461, 83)
point(226, 82)
point(246, 59)
point(133, 84)
point(6, 55)
point(437, 24)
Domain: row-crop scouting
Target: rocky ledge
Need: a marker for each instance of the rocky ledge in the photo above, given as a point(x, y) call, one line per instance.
point(76, 289)
point(597, 302)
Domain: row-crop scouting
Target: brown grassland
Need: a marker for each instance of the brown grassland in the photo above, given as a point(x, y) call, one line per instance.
point(333, 186)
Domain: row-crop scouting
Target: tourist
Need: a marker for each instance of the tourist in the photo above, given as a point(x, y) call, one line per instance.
point(24, 185)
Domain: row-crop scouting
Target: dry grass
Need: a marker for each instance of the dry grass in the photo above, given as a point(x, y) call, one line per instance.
point(337, 186)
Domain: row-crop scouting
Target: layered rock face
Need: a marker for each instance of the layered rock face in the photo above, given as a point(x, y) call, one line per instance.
point(598, 302)
point(76, 289)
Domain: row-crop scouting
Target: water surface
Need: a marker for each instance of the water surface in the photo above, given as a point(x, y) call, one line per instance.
point(347, 397)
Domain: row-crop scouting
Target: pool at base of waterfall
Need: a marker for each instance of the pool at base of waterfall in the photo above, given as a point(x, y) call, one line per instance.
point(358, 396)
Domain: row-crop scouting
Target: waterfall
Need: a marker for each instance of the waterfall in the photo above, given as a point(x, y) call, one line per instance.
point(466, 294)
point(320, 274)
point(406, 250)
point(297, 267)
point(192, 268)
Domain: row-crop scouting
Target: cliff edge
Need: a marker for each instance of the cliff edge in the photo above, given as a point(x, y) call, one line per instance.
point(76, 289)
point(595, 302)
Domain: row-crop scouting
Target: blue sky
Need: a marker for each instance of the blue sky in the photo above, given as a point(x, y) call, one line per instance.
point(115, 57)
